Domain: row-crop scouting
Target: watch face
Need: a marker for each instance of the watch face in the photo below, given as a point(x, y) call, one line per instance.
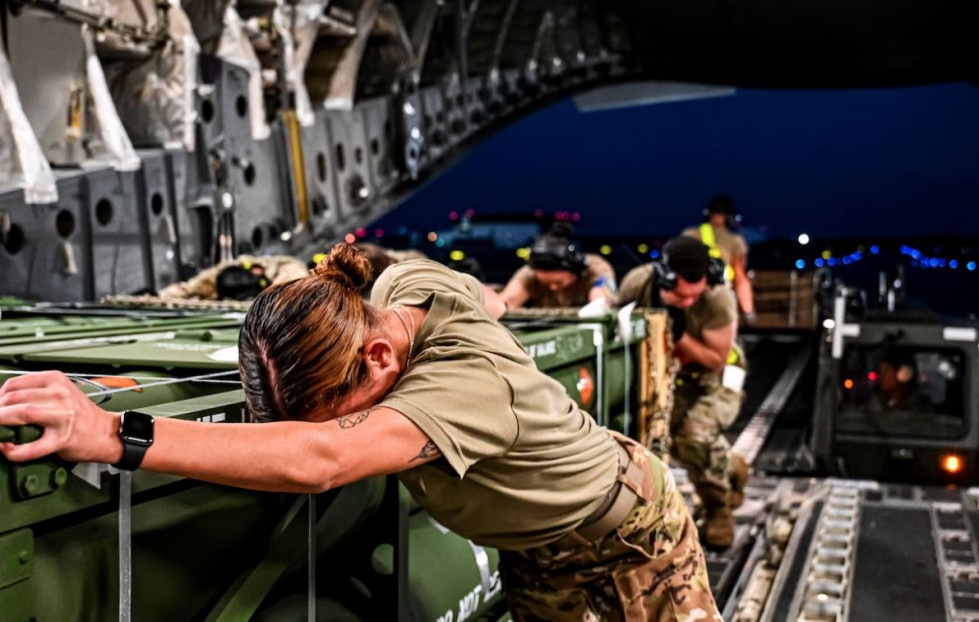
point(137, 428)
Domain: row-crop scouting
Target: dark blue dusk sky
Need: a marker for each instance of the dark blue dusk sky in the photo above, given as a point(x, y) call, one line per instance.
point(830, 163)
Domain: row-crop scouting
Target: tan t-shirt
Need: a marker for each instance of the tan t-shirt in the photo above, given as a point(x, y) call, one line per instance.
point(731, 245)
point(716, 308)
point(596, 270)
point(637, 287)
point(522, 464)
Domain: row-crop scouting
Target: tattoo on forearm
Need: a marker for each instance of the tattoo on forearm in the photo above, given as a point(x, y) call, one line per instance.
point(428, 451)
point(349, 421)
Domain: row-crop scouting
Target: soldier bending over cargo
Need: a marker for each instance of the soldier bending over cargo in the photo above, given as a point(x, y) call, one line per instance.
point(422, 381)
point(708, 388)
point(558, 274)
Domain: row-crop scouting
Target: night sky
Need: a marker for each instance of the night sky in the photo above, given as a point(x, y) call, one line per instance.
point(829, 163)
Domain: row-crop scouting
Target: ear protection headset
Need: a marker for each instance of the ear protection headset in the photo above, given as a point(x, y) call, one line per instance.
point(663, 277)
point(550, 252)
point(725, 205)
point(240, 282)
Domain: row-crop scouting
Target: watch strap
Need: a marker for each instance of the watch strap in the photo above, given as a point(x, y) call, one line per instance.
point(132, 456)
point(134, 446)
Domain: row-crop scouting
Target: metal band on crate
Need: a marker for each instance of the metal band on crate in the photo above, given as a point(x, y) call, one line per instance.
point(311, 559)
point(81, 376)
point(213, 378)
point(125, 546)
point(203, 377)
point(535, 312)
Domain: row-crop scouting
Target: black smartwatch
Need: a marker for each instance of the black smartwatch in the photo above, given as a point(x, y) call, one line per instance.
point(136, 432)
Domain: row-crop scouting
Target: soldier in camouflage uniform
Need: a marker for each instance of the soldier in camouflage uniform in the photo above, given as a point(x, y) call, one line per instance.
point(649, 568)
point(708, 393)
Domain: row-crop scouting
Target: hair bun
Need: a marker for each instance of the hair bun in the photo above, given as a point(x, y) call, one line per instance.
point(563, 230)
point(344, 265)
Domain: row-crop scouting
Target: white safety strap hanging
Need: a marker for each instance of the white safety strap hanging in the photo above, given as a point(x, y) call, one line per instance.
point(125, 546)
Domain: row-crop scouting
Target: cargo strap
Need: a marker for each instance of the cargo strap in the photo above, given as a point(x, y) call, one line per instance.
point(710, 240)
point(311, 558)
point(619, 501)
point(125, 546)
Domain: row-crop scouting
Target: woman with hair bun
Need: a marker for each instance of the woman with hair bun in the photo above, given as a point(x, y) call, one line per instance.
point(421, 381)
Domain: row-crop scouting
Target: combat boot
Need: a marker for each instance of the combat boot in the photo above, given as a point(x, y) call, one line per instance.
point(739, 478)
point(719, 527)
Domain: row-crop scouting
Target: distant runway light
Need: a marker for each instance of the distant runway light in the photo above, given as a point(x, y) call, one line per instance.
point(874, 249)
point(819, 263)
point(953, 264)
point(432, 236)
point(800, 263)
point(350, 238)
point(457, 255)
point(605, 249)
point(971, 266)
point(643, 248)
point(803, 239)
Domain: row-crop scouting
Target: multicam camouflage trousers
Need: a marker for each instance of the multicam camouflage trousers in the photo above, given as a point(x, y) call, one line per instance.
point(650, 568)
point(701, 411)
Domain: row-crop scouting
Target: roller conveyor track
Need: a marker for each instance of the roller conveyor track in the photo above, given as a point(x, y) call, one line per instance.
point(754, 435)
point(777, 364)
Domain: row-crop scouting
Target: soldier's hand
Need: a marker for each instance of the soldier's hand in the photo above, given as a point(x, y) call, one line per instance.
point(74, 427)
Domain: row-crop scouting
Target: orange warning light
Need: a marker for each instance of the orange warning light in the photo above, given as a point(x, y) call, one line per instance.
point(951, 464)
point(586, 387)
point(848, 383)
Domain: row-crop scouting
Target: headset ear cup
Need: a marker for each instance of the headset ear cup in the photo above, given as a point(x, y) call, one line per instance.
point(665, 278)
point(575, 258)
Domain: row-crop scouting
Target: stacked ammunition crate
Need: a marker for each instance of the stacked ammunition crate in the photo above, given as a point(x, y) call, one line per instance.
point(785, 299)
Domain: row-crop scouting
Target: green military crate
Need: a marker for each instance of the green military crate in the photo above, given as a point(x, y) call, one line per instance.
point(613, 344)
point(200, 551)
